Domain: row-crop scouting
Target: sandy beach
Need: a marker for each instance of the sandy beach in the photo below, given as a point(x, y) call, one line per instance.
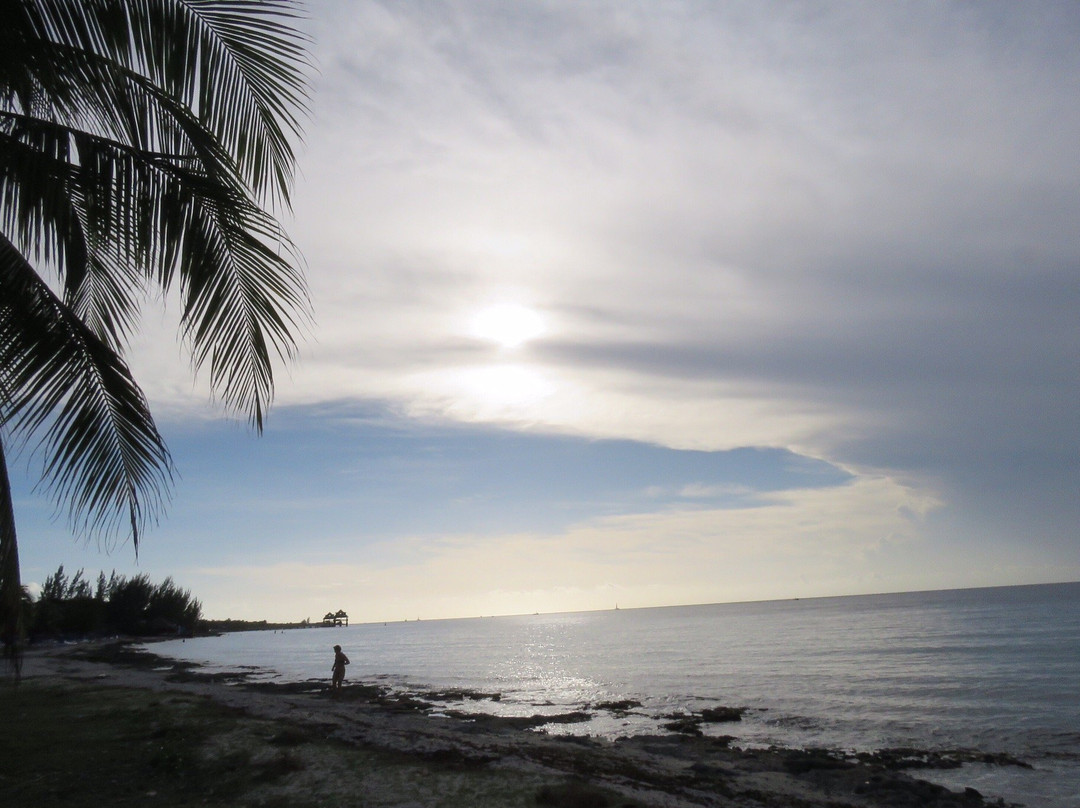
point(369, 747)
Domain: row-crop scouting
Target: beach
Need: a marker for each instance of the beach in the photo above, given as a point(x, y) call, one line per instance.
point(374, 747)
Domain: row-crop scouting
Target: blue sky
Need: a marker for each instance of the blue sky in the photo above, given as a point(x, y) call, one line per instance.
point(650, 304)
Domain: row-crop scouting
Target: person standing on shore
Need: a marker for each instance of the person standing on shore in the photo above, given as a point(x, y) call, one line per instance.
point(338, 671)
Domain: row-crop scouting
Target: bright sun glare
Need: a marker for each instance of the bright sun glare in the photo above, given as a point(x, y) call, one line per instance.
point(508, 324)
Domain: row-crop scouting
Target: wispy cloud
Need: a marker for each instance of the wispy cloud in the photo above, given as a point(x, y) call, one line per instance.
point(849, 233)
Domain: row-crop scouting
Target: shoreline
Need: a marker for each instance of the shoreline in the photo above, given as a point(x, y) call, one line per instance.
point(664, 770)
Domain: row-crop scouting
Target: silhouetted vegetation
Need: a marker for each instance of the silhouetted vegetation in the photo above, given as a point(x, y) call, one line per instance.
point(69, 606)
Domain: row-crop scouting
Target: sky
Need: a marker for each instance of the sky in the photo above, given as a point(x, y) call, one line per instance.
point(648, 304)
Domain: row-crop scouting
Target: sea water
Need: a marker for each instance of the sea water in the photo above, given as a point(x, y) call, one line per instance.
point(993, 670)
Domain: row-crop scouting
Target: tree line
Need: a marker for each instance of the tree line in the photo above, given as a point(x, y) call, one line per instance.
point(70, 605)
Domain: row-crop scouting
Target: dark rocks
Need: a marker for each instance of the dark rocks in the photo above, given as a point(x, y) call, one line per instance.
point(619, 707)
point(905, 792)
point(461, 695)
point(520, 721)
point(685, 725)
point(690, 724)
point(800, 761)
point(717, 715)
point(898, 758)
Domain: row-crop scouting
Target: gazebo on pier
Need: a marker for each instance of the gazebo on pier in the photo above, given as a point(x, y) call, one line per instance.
point(336, 619)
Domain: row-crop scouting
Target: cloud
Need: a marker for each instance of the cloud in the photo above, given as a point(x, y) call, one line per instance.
point(849, 232)
point(700, 491)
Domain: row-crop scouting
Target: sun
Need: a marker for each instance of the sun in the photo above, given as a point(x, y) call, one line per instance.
point(508, 324)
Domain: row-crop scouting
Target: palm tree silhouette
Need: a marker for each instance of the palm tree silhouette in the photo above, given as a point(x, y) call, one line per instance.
point(140, 143)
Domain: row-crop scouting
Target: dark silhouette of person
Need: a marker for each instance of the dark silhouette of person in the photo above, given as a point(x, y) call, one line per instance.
point(338, 671)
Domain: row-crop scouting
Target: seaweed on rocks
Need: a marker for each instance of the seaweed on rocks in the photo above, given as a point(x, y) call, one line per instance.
point(461, 695)
point(690, 723)
point(898, 758)
point(128, 654)
point(521, 721)
point(618, 707)
point(717, 715)
point(311, 686)
point(684, 724)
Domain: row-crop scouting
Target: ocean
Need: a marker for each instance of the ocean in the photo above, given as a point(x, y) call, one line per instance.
point(995, 670)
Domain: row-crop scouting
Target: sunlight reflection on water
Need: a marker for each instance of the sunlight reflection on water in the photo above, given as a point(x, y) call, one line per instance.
point(987, 669)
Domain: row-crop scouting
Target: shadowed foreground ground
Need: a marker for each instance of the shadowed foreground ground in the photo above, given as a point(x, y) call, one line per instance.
point(110, 726)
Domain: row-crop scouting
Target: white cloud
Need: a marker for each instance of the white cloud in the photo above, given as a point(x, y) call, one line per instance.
point(849, 233)
point(700, 491)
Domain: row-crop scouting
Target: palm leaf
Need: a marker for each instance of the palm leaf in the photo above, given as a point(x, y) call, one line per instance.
point(109, 209)
point(102, 208)
point(104, 458)
point(237, 65)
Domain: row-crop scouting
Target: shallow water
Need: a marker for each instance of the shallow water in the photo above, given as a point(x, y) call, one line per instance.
point(989, 669)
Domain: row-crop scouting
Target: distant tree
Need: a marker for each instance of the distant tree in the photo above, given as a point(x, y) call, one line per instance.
point(54, 586)
point(171, 608)
point(129, 604)
point(114, 581)
point(67, 606)
point(140, 141)
point(79, 587)
point(59, 586)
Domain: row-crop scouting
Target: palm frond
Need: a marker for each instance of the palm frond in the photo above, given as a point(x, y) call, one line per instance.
point(76, 207)
point(145, 128)
point(104, 458)
point(120, 217)
point(238, 66)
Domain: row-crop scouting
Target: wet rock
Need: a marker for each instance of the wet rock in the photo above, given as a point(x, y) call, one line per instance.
point(717, 715)
point(685, 725)
point(461, 695)
point(624, 706)
point(403, 702)
point(905, 792)
point(800, 761)
point(898, 758)
point(520, 721)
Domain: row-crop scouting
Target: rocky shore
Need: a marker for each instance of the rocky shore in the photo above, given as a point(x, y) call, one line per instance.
point(507, 755)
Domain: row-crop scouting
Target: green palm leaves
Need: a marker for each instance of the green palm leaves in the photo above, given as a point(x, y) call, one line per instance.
point(141, 143)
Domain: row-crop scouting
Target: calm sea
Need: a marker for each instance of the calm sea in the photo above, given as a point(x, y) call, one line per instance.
point(994, 670)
